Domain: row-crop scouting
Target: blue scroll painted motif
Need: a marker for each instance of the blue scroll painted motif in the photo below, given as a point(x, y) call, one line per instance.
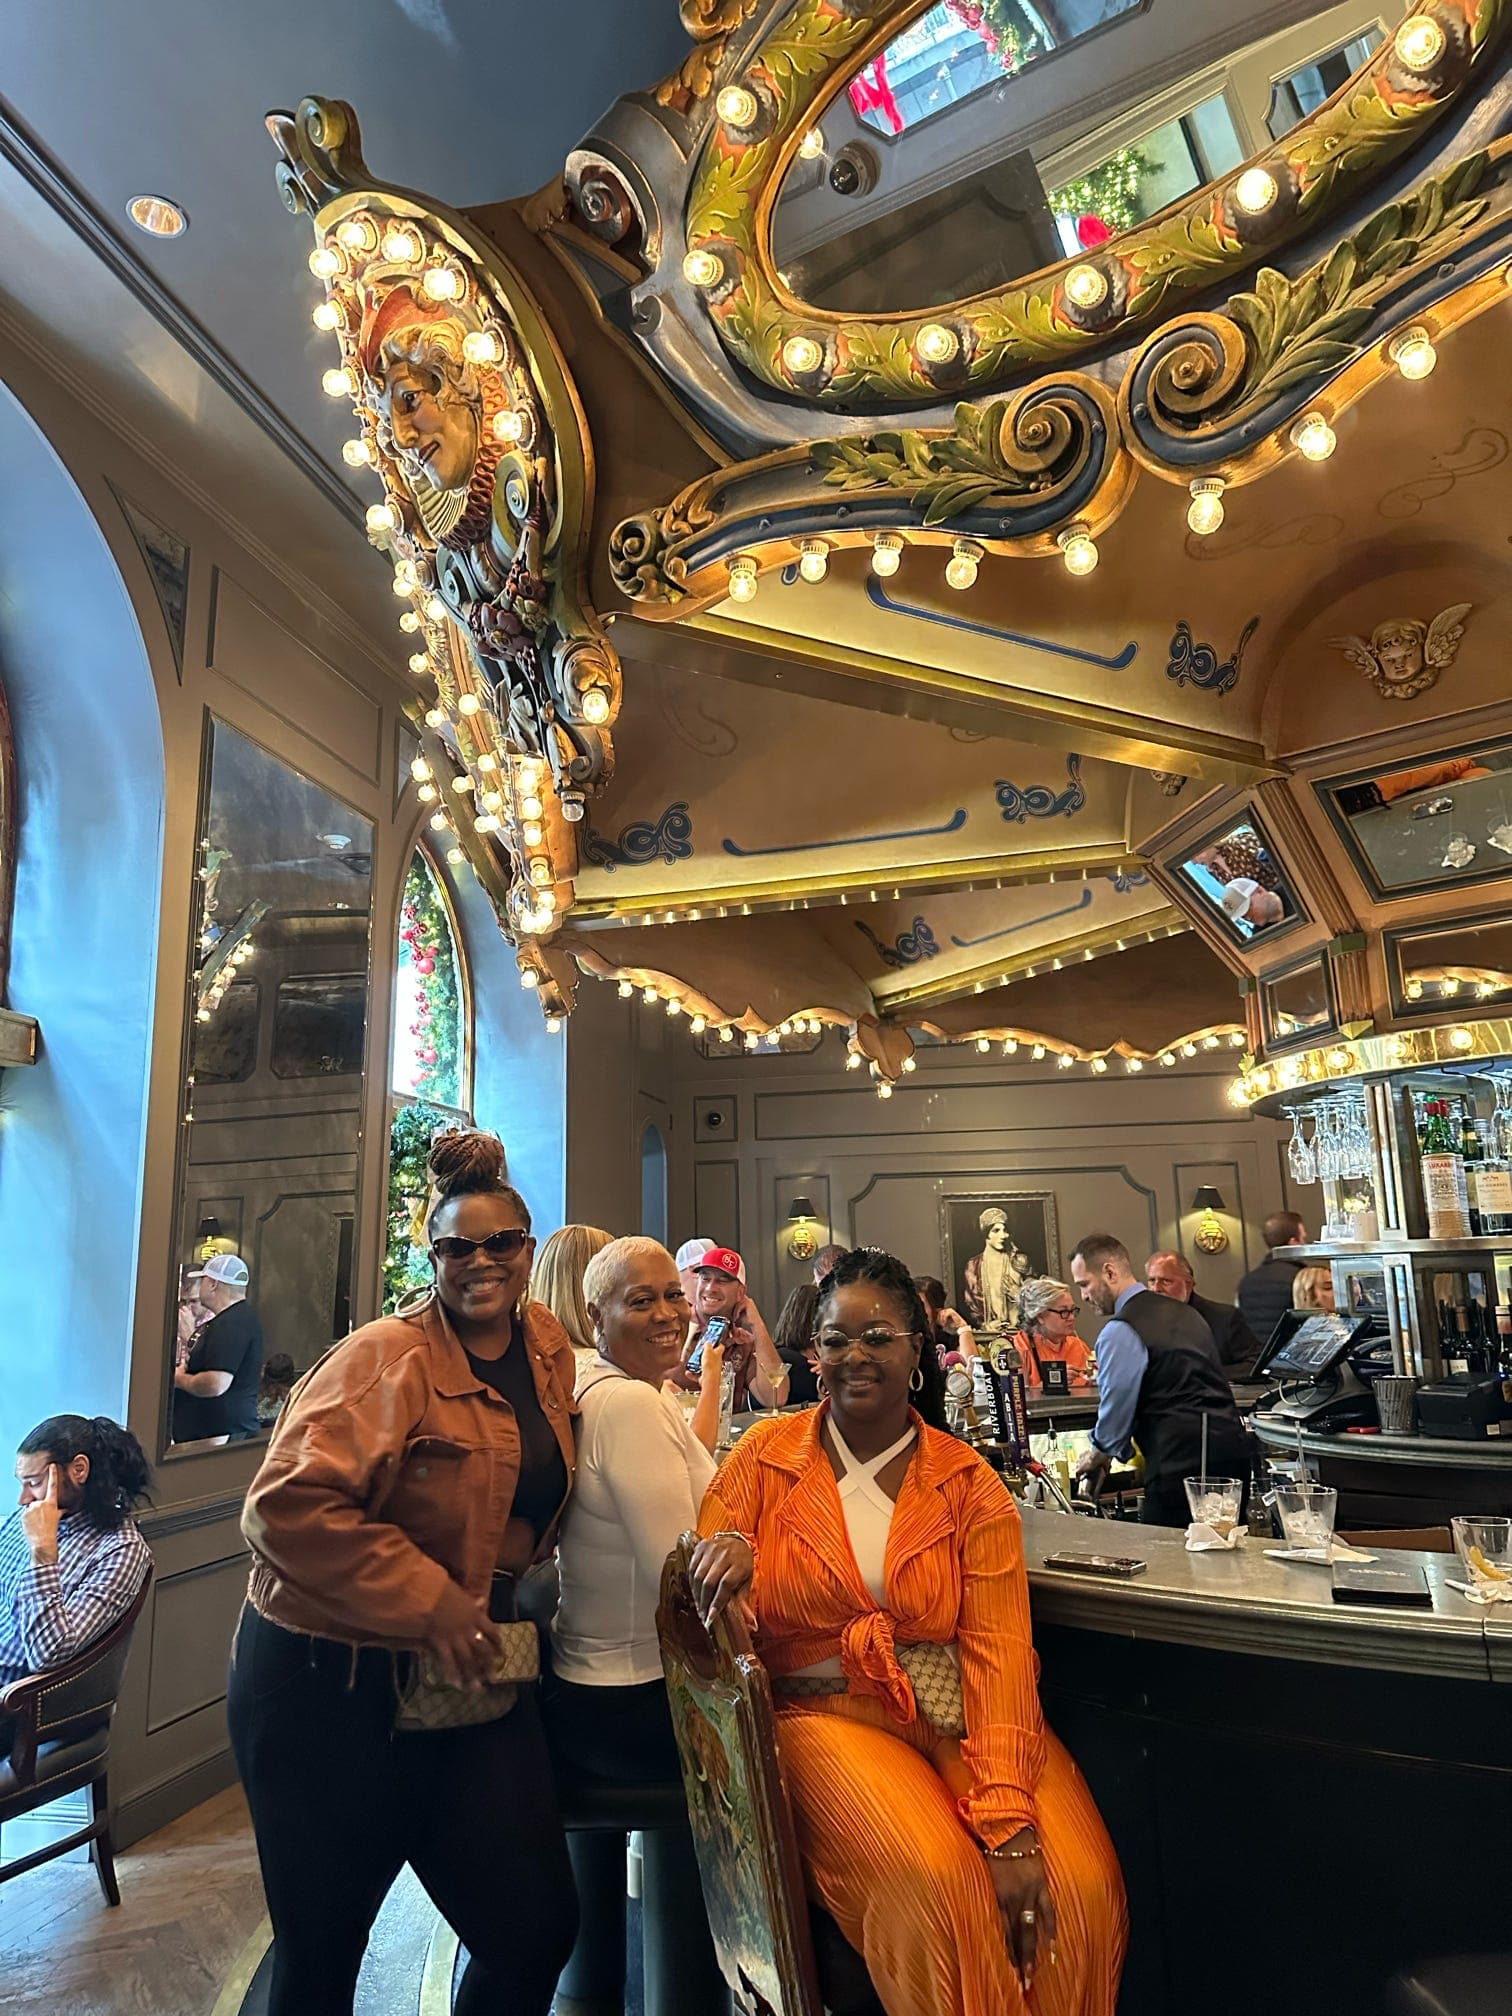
point(907, 949)
point(1199, 662)
point(953, 824)
point(877, 594)
point(669, 839)
point(1124, 880)
point(1010, 930)
point(1038, 801)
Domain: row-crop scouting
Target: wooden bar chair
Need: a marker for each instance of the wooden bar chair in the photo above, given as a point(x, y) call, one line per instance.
point(60, 1743)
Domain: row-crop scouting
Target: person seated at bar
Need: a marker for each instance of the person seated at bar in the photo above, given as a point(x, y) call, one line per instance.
point(959, 1866)
point(1047, 1311)
point(951, 1333)
point(1313, 1290)
point(1170, 1274)
point(793, 1334)
point(1265, 1293)
point(641, 1476)
point(71, 1558)
point(557, 1281)
point(1158, 1378)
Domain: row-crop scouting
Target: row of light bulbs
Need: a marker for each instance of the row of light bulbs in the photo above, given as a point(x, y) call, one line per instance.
point(1318, 1066)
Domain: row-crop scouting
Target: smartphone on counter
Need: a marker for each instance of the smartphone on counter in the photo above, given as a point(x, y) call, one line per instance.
point(1124, 1566)
point(715, 1332)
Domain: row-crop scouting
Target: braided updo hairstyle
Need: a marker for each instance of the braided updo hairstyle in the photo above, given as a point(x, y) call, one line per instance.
point(119, 1475)
point(882, 1270)
point(469, 1163)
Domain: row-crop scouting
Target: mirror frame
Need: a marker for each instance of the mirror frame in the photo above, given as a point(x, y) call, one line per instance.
point(1394, 939)
point(1446, 884)
point(1243, 813)
point(1319, 1030)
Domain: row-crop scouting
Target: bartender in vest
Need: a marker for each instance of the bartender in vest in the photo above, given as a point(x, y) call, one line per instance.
point(1158, 1373)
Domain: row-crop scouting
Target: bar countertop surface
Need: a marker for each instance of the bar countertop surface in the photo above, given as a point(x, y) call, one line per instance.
point(1244, 1602)
point(1438, 1452)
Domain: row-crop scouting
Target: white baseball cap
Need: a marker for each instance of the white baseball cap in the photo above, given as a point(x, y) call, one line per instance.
point(1236, 895)
point(226, 1267)
point(691, 1252)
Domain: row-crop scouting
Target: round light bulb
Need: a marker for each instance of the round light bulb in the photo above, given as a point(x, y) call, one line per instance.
point(481, 346)
point(400, 245)
point(1065, 1060)
point(456, 856)
point(419, 662)
point(674, 1007)
point(442, 283)
point(1078, 549)
point(595, 706)
point(752, 1040)
point(813, 559)
point(702, 268)
point(1419, 43)
point(910, 1063)
point(1189, 1049)
point(486, 822)
point(509, 426)
point(529, 978)
point(1135, 1063)
point(487, 761)
point(811, 146)
point(738, 106)
point(887, 553)
point(884, 1090)
point(1313, 438)
point(1205, 512)
point(426, 793)
point(461, 783)
point(553, 1025)
point(493, 801)
point(326, 315)
point(420, 770)
point(1099, 1065)
point(530, 806)
point(648, 995)
point(1087, 286)
point(356, 454)
point(532, 833)
point(1413, 353)
point(338, 382)
point(439, 822)
point(626, 989)
point(540, 872)
point(802, 354)
point(435, 717)
point(409, 622)
point(435, 608)
point(697, 1024)
point(936, 343)
point(743, 577)
point(406, 581)
point(1255, 191)
point(324, 263)
point(1461, 1039)
point(356, 234)
point(853, 1060)
point(468, 703)
point(963, 564)
point(546, 903)
point(382, 518)
point(984, 1044)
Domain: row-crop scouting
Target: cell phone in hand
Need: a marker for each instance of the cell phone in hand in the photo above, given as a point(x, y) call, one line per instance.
point(715, 1332)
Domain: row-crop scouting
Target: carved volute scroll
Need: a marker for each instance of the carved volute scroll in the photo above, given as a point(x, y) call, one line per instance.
point(469, 419)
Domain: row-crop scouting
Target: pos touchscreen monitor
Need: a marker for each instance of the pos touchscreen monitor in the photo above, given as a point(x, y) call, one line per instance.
point(1309, 1347)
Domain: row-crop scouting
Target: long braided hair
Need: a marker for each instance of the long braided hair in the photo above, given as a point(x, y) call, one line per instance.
point(882, 1270)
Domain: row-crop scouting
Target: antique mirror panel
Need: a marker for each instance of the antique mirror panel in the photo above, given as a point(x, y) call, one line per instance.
point(1465, 967)
point(1297, 1003)
point(1239, 878)
point(278, 992)
point(1433, 824)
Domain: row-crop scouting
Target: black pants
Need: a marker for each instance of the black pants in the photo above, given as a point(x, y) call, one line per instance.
point(625, 1734)
point(340, 1803)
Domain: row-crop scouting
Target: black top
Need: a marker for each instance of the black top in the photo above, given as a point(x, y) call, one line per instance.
point(1238, 1346)
point(1183, 1381)
point(230, 1342)
point(803, 1387)
point(542, 1483)
point(1265, 1294)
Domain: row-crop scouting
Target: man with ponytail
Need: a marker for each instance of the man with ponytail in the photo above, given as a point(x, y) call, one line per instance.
point(71, 1558)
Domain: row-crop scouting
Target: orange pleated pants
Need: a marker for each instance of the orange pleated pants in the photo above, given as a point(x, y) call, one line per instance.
point(885, 1853)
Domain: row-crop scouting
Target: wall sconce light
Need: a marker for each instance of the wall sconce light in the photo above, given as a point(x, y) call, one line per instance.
point(803, 1245)
point(1210, 1236)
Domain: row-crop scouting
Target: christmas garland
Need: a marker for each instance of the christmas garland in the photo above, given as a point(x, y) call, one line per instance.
point(406, 1266)
point(1109, 195)
point(425, 948)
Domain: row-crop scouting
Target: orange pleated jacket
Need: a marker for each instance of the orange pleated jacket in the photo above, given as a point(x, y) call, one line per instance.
point(954, 1573)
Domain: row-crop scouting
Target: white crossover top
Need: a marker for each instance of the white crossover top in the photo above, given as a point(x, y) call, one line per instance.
point(641, 1477)
point(868, 1513)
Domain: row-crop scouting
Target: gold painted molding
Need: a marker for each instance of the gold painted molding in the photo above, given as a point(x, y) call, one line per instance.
point(1167, 922)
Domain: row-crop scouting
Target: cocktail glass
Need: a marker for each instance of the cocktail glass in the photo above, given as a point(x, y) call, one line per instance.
point(1307, 1516)
point(1215, 1502)
point(1485, 1548)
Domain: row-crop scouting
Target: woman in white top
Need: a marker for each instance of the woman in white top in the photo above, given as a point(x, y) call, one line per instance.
point(641, 1476)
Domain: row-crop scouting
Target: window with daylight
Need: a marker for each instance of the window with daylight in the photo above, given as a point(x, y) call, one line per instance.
point(431, 1081)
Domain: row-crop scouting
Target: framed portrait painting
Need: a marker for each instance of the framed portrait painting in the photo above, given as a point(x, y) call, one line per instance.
point(992, 1241)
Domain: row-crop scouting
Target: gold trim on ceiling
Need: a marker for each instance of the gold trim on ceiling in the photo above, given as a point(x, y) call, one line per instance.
point(1167, 922)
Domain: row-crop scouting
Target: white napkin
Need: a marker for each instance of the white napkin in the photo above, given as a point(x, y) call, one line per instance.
point(1339, 1551)
point(1202, 1538)
point(1484, 1592)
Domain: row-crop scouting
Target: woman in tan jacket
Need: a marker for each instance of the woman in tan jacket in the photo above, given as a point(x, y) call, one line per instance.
point(417, 1471)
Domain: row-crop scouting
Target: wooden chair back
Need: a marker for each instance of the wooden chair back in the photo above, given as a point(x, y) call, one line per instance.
point(65, 1704)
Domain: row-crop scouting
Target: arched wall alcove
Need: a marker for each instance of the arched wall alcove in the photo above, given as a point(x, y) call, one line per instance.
point(653, 1162)
point(90, 809)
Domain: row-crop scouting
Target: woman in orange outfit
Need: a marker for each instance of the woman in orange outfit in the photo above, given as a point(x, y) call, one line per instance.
point(974, 1875)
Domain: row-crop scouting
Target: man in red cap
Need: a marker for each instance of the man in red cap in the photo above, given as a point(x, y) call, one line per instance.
point(719, 1289)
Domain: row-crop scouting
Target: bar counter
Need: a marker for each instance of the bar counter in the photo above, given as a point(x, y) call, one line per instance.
point(1400, 1480)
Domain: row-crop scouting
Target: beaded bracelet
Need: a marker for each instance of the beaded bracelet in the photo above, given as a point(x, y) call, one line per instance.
point(1004, 1852)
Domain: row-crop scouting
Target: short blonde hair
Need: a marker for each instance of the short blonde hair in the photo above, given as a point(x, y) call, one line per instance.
point(1307, 1289)
point(608, 1267)
point(557, 1278)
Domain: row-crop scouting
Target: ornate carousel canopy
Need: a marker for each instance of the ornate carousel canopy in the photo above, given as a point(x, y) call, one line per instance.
point(884, 558)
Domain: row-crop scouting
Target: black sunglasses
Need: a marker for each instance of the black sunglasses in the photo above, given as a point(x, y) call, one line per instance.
point(502, 1245)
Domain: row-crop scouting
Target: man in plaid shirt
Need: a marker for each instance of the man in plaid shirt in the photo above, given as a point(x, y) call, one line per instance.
point(71, 1559)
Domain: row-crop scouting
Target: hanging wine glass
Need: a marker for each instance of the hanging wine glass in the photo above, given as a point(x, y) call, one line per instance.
point(1300, 1163)
point(1326, 1143)
point(1357, 1151)
point(1501, 1119)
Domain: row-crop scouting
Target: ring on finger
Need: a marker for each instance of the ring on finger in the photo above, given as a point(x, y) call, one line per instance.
point(1027, 1915)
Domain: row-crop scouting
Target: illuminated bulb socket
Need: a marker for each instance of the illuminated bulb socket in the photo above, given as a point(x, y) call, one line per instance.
point(400, 246)
point(324, 263)
point(1037, 1052)
point(530, 806)
point(802, 355)
point(697, 1025)
point(442, 283)
point(356, 234)
point(1010, 1047)
point(419, 662)
point(674, 1007)
point(726, 1034)
point(540, 872)
point(1086, 287)
point(1461, 1039)
point(884, 1090)
point(1065, 1060)
point(487, 761)
point(1189, 1049)
point(338, 383)
point(326, 316)
point(1205, 512)
point(486, 823)
point(811, 146)
point(1211, 1043)
point(910, 1063)
point(510, 426)
point(743, 575)
point(703, 268)
point(1078, 549)
point(1419, 43)
point(481, 346)
point(1313, 438)
point(493, 801)
point(984, 1044)
point(752, 1041)
point(435, 717)
point(435, 608)
point(529, 978)
point(1135, 1063)
point(595, 706)
point(382, 519)
point(887, 553)
point(813, 559)
point(626, 989)
point(420, 770)
point(936, 344)
point(1255, 191)
point(553, 1025)
point(1099, 1065)
point(468, 703)
point(439, 822)
point(853, 1061)
point(648, 995)
point(409, 621)
point(356, 454)
point(1413, 353)
point(738, 106)
point(426, 794)
point(964, 562)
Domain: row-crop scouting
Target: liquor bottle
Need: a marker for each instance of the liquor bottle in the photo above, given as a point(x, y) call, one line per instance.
point(1457, 1340)
point(1493, 1194)
point(1504, 1353)
point(1472, 1153)
point(1444, 1193)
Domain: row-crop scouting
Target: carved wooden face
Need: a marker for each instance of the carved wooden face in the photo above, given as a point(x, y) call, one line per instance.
point(1399, 651)
point(435, 431)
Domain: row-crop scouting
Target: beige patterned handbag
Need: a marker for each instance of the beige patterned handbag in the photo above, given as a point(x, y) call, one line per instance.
point(934, 1672)
point(431, 1701)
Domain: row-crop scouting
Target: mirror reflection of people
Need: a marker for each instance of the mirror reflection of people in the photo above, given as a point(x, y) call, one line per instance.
point(71, 1558)
point(959, 1870)
point(1047, 1311)
point(993, 1276)
point(1243, 901)
point(215, 1389)
point(1313, 1290)
point(273, 1389)
point(415, 1476)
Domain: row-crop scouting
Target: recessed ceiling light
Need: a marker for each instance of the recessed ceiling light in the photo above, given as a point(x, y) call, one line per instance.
point(157, 216)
